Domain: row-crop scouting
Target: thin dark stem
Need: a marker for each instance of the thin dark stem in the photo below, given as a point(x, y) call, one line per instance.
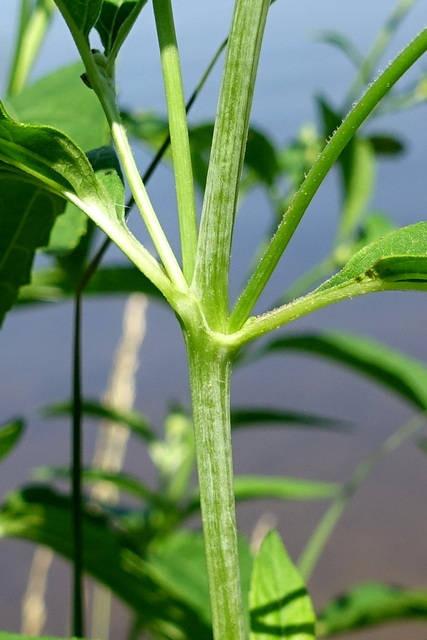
point(77, 528)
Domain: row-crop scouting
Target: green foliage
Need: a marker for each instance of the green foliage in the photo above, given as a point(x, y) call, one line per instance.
point(65, 147)
point(368, 605)
point(10, 434)
point(29, 212)
point(280, 606)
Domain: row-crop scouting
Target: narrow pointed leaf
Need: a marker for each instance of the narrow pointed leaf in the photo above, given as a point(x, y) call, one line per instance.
point(280, 607)
point(277, 488)
point(369, 605)
point(401, 374)
point(10, 434)
point(93, 409)
point(55, 284)
point(27, 214)
point(44, 517)
point(121, 481)
point(260, 487)
point(254, 416)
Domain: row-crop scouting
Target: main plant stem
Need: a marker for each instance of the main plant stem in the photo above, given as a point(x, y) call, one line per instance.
point(210, 369)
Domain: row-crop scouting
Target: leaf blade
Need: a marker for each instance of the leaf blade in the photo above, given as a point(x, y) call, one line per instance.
point(279, 604)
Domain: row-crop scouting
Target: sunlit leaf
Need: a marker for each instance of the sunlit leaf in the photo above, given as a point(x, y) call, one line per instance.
point(368, 605)
point(55, 100)
point(44, 517)
point(401, 374)
point(280, 607)
point(10, 434)
point(395, 261)
point(27, 214)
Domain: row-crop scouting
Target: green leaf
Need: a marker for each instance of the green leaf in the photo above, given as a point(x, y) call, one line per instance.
point(253, 416)
point(10, 434)
point(55, 284)
point(27, 214)
point(80, 14)
point(395, 261)
point(260, 487)
point(51, 157)
point(270, 487)
point(179, 564)
point(54, 100)
point(280, 606)
point(44, 517)
point(122, 482)
point(115, 20)
point(93, 409)
point(106, 166)
point(404, 376)
point(368, 605)
point(386, 144)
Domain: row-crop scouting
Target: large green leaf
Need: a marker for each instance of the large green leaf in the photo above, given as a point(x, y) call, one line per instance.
point(403, 375)
point(44, 516)
point(27, 214)
point(280, 606)
point(63, 101)
point(369, 605)
point(10, 434)
point(80, 15)
point(55, 100)
point(55, 160)
point(48, 155)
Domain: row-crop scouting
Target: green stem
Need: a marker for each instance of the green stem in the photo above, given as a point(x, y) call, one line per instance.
point(367, 69)
point(32, 29)
point(226, 159)
point(315, 177)
point(210, 367)
point(323, 531)
point(178, 129)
